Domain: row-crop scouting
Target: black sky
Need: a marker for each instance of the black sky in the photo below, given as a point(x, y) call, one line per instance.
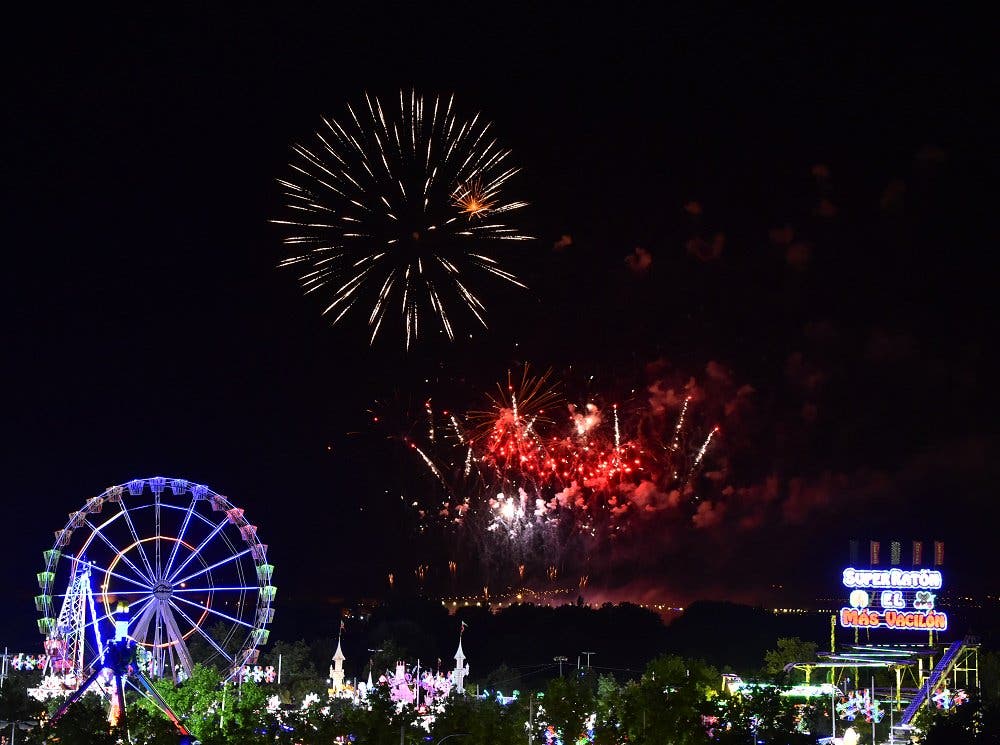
point(146, 329)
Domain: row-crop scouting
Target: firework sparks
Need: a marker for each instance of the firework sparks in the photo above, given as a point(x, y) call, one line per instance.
point(430, 464)
point(680, 423)
point(472, 201)
point(457, 428)
point(530, 486)
point(394, 208)
point(704, 447)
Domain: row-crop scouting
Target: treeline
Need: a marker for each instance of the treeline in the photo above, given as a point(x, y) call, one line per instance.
point(673, 700)
point(623, 637)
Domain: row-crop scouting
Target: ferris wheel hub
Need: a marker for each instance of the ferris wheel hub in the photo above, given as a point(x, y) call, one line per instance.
point(162, 591)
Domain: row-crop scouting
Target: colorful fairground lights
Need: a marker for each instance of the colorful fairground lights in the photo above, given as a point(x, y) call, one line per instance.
point(183, 559)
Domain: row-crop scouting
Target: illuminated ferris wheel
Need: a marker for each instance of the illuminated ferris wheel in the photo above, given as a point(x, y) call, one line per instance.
point(184, 560)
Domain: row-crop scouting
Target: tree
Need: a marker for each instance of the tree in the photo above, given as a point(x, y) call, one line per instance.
point(331, 720)
point(789, 650)
point(231, 643)
point(84, 723)
point(382, 724)
point(16, 705)
point(503, 679)
point(989, 677)
point(150, 728)
point(481, 720)
point(761, 716)
point(568, 703)
point(215, 711)
point(299, 674)
point(973, 723)
point(609, 703)
point(669, 702)
point(384, 658)
point(242, 709)
point(196, 699)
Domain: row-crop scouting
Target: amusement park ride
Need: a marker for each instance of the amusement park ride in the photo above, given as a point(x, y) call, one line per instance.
point(159, 574)
point(117, 668)
point(888, 602)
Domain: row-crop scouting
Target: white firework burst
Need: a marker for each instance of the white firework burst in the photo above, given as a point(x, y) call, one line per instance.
point(394, 210)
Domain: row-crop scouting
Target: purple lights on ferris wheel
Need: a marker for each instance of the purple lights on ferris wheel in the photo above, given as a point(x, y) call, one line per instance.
point(197, 587)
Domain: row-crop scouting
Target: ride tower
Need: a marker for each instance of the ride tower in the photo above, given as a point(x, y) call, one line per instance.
point(66, 643)
point(118, 668)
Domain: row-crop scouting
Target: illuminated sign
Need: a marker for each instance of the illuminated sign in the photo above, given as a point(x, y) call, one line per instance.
point(893, 579)
point(853, 618)
point(892, 599)
point(924, 600)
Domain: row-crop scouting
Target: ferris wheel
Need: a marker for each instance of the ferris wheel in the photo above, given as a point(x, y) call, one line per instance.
point(183, 560)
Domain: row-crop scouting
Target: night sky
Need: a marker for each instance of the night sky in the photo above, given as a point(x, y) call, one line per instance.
point(810, 191)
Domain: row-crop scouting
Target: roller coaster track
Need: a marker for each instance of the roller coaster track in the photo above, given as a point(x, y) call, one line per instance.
point(941, 671)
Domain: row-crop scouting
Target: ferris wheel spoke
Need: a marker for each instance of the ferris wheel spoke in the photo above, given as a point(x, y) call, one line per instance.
point(156, 510)
point(147, 582)
point(180, 537)
point(238, 588)
point(116, 575)
point(135, 537)
point(244, 552)
point(163, 609)
point(215, 531)
point(200, 630)
point(142, 622)
point(212, 610)
point(116, 593)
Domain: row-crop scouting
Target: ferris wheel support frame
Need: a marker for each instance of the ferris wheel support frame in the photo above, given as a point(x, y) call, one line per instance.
point(118, 661)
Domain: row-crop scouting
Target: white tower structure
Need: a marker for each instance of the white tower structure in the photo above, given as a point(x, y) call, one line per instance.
point(461, 669)
point(337, 669)
point(65, 643)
